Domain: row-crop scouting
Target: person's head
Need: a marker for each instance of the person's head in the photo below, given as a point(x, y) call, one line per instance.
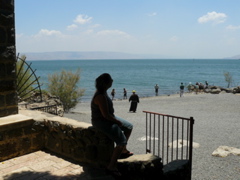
point(133, 91)
point(103, 82)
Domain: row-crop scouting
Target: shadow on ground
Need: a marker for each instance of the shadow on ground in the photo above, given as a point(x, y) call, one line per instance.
point(29, 175)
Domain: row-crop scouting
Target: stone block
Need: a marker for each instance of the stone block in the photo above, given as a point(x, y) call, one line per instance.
point(79, 153)
point(3, 37)
point(24, 145)
point(12, 110)
point(13, 133)
point(2, 101)
point(7, 5)
point(8, 150)
point(7, 85)
point(3, 112)
point(145, 166)
point(38, 141)
point(11, 36)
point(2, 71)
point(178, 169)
point(10, 70)
point(53, 144)
point(7, 53)
point(11, 99)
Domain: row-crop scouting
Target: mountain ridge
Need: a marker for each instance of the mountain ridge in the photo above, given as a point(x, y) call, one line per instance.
point(84, 55)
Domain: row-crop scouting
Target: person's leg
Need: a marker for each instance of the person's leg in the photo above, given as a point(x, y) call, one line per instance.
point(112, 166)
point(127, 130)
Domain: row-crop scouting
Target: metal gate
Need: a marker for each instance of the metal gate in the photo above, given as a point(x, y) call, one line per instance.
point(169, 137)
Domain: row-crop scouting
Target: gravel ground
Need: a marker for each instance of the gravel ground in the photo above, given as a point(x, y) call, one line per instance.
point(217, 123)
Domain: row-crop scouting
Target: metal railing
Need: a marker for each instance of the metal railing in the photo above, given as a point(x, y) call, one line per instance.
point(169, 137)
point(52, 109)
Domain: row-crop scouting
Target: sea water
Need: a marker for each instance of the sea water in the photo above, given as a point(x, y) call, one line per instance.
point(143, 75)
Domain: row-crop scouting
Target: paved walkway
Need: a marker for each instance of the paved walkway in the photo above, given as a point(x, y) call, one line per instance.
point(41, 166)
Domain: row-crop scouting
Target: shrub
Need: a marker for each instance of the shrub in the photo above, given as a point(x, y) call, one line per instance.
point(64, 85)
point(228, 78)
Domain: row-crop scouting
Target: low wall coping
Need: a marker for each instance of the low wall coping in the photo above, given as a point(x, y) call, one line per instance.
point(13, 119)
point(41, 116)
point(19, 119)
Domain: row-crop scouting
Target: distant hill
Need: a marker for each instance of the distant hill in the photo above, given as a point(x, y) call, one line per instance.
point(233, 57)
point(74, 55)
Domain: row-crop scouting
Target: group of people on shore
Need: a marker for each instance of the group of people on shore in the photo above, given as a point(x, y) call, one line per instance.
point(134, 99)
point(193, 87)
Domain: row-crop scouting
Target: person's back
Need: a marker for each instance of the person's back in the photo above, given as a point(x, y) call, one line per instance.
point(96, 112)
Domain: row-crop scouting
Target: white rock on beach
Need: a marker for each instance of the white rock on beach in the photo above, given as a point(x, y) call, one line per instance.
point(224, 151)
point(179, 143)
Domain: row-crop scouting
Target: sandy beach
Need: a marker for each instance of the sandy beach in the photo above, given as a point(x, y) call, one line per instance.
point(217, 123)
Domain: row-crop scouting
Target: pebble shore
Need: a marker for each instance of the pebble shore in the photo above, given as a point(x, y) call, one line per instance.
point(217, 123)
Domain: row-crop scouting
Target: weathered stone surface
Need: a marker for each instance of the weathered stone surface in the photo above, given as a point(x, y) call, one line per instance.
point(224, 151)
point(236, 89)
point(215, 91)
point(146, 166)
point(178, 169)
point(180, 143)
point(7, 58)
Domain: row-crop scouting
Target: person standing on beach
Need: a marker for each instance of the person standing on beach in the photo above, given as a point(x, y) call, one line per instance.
point(134, 101)
point(104, 120)
point(124, 93)
point(156, 89)
point(197, 87)
point(181, 89)
point(113, 93)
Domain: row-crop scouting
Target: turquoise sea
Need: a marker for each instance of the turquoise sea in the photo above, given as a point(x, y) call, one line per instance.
point(142, 75)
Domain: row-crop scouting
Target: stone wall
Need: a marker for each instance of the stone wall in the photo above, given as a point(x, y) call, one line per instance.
point(81, 144)
point(8, 96)
point(20, 134)
point(17, 137)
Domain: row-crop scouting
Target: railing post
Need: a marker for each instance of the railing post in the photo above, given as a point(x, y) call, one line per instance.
point(191, 145)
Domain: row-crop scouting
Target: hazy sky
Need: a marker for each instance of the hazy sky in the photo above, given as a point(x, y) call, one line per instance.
point(170, 28)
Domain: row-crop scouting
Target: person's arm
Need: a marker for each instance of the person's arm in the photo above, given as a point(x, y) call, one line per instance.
point(101, 101)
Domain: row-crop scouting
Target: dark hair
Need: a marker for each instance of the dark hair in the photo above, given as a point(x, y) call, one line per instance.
point(102, 81)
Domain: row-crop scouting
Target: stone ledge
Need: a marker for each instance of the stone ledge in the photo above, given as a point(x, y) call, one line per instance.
point(41, 116)
point(18, 120)
point(143, 166)
point(178, 169)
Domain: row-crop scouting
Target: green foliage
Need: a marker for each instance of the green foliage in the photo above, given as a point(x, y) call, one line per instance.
point(64, 85)
point(228, 78)
point(24, 78)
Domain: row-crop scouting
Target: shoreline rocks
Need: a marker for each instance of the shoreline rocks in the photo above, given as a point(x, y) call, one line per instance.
point(218, 90)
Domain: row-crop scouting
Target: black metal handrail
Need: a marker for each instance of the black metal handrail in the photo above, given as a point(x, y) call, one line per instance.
point(52, 109)
point(164, 131)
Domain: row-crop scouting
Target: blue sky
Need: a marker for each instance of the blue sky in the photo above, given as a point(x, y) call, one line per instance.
point(168, 28)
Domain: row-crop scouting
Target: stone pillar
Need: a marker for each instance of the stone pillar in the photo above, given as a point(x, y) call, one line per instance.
point(8, 94)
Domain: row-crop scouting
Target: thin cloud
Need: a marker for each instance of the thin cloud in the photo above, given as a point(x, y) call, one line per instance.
point(83, 19)
point(46, 32)
point(72, 27)
point(113, 32)
point(152, 14)
point(214, 17)
point(231, 27)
